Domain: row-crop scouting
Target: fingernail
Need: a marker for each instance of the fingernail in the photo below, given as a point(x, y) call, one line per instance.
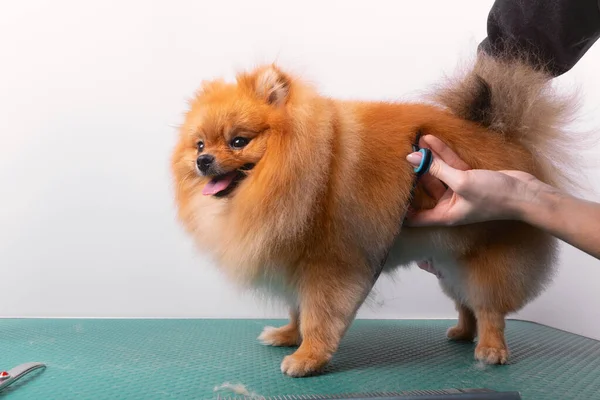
point(414, 158)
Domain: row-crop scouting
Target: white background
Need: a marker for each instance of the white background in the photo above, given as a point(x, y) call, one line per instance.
point(90, 96)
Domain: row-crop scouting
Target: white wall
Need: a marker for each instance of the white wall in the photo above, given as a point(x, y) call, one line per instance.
point(90, 95)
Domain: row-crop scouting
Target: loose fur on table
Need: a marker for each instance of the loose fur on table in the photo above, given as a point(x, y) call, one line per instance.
point(301, 195)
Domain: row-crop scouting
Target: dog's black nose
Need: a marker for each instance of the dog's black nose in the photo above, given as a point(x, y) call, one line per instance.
point(204, 162)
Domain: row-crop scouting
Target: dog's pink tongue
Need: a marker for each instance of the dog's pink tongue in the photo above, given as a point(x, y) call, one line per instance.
point(218, 185)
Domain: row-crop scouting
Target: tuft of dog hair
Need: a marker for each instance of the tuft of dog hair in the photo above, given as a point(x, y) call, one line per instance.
point(514, 95)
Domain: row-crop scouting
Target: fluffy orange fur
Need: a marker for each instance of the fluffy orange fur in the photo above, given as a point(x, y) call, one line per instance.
point(312, 220)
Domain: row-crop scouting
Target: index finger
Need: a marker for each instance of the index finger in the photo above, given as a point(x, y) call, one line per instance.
point(444, 152)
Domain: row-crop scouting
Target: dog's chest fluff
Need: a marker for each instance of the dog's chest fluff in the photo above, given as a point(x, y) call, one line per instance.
point(245, 257)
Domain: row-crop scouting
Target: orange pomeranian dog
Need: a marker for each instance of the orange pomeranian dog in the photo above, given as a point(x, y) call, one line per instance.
point(303, 196)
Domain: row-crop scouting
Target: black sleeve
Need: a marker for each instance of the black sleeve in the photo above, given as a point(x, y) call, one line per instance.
point(557, 32)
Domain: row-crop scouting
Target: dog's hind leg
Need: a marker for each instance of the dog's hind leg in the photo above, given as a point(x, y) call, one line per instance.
point(466, 328)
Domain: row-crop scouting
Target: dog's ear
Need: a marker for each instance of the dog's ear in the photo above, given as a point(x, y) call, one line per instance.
point(269, 84)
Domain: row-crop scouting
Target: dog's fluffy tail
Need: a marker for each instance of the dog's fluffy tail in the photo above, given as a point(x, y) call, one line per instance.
point(512, 98)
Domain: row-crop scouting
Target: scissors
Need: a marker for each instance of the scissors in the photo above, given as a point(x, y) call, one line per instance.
point(9, 377)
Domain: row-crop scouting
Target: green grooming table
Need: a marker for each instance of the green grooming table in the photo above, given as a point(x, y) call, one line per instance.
point(188, 359)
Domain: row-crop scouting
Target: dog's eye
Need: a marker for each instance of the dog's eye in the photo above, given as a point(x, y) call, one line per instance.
point(239, 142)
point(200, 146)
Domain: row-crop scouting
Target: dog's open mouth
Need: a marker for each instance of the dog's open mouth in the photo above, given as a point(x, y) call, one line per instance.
point(222, 185)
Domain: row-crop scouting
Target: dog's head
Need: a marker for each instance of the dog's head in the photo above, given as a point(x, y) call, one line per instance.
point(227, 129)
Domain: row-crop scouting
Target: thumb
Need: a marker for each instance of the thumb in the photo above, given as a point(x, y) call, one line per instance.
point(439, 169)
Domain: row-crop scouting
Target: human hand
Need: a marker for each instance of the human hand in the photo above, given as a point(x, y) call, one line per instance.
point(471, 195)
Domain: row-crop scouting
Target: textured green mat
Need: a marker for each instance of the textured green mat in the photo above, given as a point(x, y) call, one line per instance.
point(187, 359)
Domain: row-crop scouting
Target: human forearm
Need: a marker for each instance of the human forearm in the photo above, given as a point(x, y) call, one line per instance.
point(570, 219)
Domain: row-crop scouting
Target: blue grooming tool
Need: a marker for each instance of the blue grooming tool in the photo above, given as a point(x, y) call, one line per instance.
point(426, 161)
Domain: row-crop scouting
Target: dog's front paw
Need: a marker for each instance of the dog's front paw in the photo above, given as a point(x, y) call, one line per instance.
point(299, 364)
point(491, 355)
point(286, 336)
point(460, 334)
